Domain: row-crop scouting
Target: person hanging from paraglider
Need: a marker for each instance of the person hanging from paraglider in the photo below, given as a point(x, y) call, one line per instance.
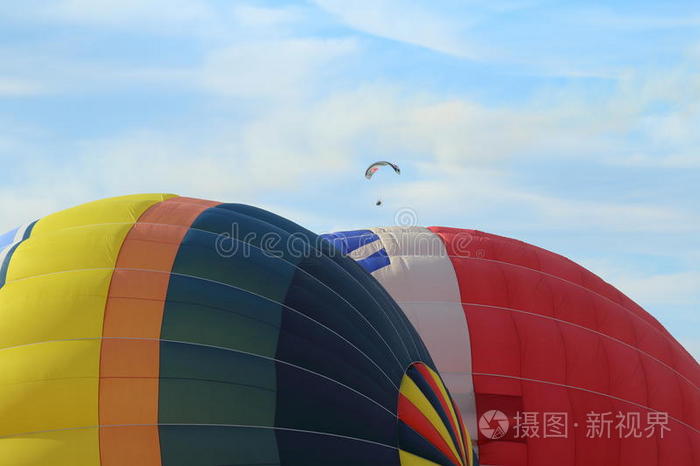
point(373, 168)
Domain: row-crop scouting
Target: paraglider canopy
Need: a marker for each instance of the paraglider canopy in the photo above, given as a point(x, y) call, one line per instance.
point(372, 169)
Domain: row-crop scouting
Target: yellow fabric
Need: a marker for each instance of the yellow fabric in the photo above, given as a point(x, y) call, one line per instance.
point(470, 449)
point(443, 391)
point(66, 447)
point(410, 390)
point(29, 316)
point(114, 209)
point(409, 459)
point(52, 308)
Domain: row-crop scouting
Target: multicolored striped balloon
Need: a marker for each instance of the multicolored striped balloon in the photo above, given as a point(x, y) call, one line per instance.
point(552, 366)
point(163, 330)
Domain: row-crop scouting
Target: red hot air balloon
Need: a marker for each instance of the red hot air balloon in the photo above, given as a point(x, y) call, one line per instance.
point(548, 363)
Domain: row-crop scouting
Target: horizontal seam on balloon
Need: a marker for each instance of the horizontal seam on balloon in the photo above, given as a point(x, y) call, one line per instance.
point(203, 345)
point(171, 424)
point(293, 265)
point(268, 323)
point(543, 273)
point(370, 295)
point(196, 278)
point(507, 263)
point(526, 379)
point(557, 278)
point(216, 308)
point(137, 377)
point(200, 379)
point(383, 313)
point(533, 314)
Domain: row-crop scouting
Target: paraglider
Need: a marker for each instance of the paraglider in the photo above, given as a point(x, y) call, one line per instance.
point(143, 330)
point(524, 337)
point(374, 168)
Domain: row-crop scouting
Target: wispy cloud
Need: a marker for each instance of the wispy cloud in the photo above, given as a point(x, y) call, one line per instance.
point(678, 160)
point(16, 87)
point(403, 22)
point(196, 19)
point(272, 104)
point(602, 17)
point(459, 150)
point(280, 68)
point(155, 14)
point(671, 296)
point(662, 289)
point(474, 192)
point(260, 16)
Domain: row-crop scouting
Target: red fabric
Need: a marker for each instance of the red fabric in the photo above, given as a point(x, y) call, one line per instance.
point(445, 406)
point(552, 333)
point(413, 418)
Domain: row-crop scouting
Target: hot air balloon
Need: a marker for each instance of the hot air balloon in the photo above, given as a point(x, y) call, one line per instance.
point(163, 330)
point(550, 364)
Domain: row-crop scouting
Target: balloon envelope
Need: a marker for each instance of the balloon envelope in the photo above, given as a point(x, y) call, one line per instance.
point(550, 364)
point(163, 330)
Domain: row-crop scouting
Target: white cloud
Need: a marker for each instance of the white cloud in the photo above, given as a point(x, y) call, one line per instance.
point(16, 87)
point(301, 126)
point(280, 68)
point(19, 206)
point(153, 14)
point(459, 150)
point(655, 290)
point(567, 124)
point(147, 161)
point(403, 22)
point(36, 187)
point(624, 20)
point(271, 68)
point(258, 16)
point(651, 289)
point(451, 192)
point(290, 114)
point(681, 160)
point(205, 20)
point(659, 289)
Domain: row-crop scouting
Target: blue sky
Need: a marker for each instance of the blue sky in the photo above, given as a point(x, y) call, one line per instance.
point(572, 125)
